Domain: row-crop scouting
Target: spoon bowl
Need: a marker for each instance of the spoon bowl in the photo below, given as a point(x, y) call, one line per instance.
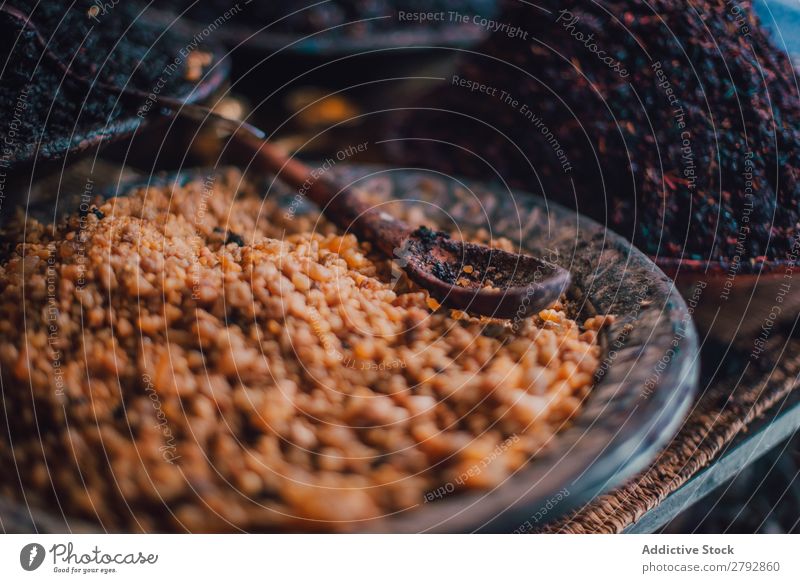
point(481, 279)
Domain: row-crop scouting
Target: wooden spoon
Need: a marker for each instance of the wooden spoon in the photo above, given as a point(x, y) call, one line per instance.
point(467, 276)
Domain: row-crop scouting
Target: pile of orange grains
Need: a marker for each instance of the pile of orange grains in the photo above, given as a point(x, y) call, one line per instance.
point(198, 359)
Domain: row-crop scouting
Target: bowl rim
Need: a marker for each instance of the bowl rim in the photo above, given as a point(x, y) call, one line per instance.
point(715, 268)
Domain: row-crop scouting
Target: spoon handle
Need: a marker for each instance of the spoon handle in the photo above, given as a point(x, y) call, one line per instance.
point(343, 205)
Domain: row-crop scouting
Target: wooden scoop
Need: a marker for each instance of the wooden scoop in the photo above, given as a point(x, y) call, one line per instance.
point(467, 276)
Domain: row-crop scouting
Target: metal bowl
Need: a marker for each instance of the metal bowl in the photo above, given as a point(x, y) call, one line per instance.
point(647, 377)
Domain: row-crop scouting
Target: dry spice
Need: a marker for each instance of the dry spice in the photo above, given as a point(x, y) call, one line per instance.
point(678, 125)
point(161, 374)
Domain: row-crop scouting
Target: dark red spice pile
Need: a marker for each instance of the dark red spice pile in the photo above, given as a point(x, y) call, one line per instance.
point(117, 44)
point(677, 124)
